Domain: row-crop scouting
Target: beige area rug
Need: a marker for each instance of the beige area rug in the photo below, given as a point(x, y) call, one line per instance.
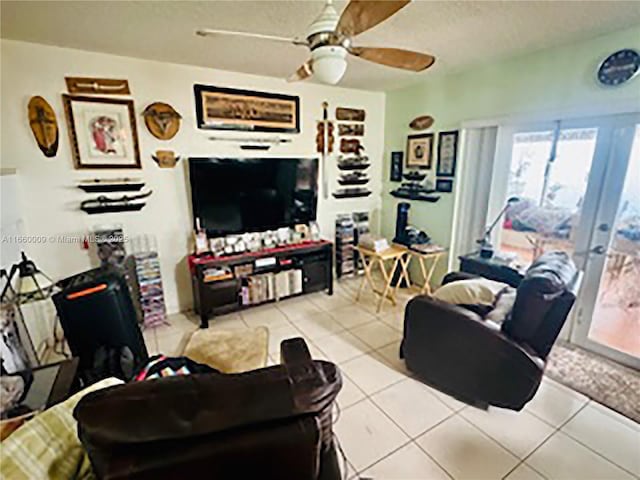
point(600, 379)
point(230, 351)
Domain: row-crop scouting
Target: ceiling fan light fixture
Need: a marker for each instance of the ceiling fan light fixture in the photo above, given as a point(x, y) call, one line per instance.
point(329, 64)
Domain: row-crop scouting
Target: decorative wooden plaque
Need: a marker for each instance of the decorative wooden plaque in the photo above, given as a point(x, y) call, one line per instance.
point(102, 86)
point(421, 123)
point(351, 129)
point(162, 121)
point(350, 114)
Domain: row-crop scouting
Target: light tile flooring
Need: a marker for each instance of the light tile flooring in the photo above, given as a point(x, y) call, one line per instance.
point(391, 426)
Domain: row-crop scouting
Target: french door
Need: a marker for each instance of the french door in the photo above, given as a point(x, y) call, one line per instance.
point(577, 189)
point(607, 314)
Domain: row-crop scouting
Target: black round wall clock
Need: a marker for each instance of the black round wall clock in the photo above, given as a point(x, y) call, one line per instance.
point(619, 67)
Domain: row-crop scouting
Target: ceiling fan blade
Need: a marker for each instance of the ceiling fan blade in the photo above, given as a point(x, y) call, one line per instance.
point(303, 72)
point(361, 15)
point(209, 32)
point(395, 57)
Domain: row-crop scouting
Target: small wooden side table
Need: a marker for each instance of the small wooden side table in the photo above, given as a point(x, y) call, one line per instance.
point(421, 258)
point(370, 259)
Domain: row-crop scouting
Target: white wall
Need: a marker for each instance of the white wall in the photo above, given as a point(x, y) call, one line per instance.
point(49, 198)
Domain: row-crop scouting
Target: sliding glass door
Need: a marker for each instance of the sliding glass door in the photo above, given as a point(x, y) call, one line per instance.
point(574, 185)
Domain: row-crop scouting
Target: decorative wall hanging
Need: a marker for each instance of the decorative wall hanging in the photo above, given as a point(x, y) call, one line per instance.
point(231, 109)
point(444, 185)
point(419, 148)
point(43, 123)
point(256, 143)
point(323, 126)
point(100, 185)
point(350, 114)
point(351, 129)
point(421, 123)
point(104, 204)
point(165, 158)
point(350, 145)
point(162, 121)
point(447, 153)
point(102, 132)
point(324, 145)
point(103, 86)
point(396, 166)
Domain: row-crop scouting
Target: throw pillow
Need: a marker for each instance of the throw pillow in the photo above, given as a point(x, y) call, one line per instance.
point(474, 291)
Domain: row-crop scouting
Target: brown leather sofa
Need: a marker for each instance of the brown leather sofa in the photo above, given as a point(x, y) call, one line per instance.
point(271, 423)
point(456, 351)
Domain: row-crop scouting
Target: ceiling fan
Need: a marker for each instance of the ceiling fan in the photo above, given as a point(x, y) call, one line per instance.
point(329, 39)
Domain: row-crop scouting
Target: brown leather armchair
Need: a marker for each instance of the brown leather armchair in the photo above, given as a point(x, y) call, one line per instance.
point(456, 351)
point(271, 423)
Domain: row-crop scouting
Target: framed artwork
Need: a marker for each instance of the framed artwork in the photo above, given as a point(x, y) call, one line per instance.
point(102, 132)
point(419, 149)
point(444, 185)
point(231, 109)
point(447, 153)
point(396, 166)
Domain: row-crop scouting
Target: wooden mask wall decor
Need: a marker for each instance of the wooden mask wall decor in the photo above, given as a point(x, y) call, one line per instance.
point(162, 121)
point(43, 123)
point(165, 158)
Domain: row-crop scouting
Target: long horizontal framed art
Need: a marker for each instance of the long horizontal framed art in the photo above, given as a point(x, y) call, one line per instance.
point(220, 108)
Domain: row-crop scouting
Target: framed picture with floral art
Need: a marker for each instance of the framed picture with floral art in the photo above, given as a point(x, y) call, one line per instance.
point(102, 132)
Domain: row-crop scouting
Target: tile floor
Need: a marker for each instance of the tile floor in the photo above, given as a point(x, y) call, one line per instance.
point(391, 426)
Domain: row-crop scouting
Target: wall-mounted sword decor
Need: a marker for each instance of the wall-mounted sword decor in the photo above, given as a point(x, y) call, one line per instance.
point(104, 204)
point(104, 86)
point(324, 145)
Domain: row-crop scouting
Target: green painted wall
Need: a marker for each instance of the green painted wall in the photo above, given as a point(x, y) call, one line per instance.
point(554, 79)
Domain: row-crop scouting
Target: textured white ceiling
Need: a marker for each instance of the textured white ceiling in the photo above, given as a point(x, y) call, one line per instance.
point(459, 33)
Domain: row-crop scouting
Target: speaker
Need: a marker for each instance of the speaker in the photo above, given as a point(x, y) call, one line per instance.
point(402, 221)
point(99, 320)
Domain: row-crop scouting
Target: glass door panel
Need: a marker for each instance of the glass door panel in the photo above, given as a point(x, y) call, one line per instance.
point(615, 321)
point(548, 179)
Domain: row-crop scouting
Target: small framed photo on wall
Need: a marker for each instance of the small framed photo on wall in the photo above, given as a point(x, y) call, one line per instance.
point(396, 166)
point(419, 150)
point(444, 185)
point(102, 132)
point(447, 153)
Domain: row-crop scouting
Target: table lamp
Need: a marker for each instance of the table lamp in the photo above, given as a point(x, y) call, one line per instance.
point(486, 247)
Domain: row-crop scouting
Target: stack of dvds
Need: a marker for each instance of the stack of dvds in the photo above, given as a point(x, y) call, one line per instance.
point(344, 245)
point(149, 287)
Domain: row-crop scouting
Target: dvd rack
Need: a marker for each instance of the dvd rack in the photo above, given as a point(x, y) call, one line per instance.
point(144, 270)
point(345, 243)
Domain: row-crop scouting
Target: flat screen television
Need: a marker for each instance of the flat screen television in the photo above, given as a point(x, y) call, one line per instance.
point(238, 195)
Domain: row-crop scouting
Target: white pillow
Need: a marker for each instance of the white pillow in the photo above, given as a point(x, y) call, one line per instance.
point(474, 291)
point(504, 305)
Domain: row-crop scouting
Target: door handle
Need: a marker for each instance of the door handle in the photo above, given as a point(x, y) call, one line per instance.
point(597, 250)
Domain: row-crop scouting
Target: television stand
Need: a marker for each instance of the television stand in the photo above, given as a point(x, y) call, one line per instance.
point(256, 278)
